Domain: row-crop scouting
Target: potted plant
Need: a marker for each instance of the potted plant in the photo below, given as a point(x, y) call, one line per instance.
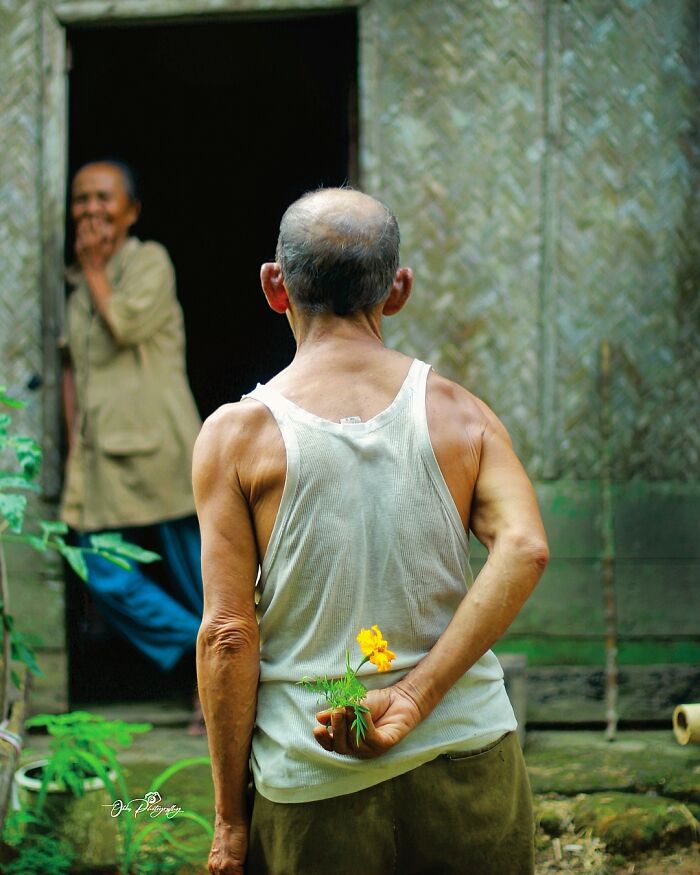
point(74, 788)
point(20, 461)
point(78, 799)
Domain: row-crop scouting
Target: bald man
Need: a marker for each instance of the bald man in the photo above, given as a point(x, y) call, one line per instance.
point(351, 480)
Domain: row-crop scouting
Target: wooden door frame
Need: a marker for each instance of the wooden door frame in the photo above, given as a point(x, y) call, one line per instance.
point(54, 23)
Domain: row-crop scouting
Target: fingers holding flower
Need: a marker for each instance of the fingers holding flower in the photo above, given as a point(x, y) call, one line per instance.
point(391, 714)
point(345, 696)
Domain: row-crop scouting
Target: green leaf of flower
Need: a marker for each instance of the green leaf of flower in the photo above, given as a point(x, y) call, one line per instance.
point(16, 481)
point(37, 543)
point(53, 527)
point(116, 560)
point(359, 724)
point(5, 423)
point(23, 652)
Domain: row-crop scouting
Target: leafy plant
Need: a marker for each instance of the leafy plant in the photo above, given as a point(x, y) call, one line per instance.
point(82, 747)
point(38, 854)
point(20, 462)
point(154, 843)
point(83, 744)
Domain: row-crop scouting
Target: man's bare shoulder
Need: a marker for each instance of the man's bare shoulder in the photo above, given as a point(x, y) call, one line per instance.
point(448, 397)
point(230, 433)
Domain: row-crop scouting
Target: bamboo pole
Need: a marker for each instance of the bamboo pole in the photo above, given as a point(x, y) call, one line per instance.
point(6, 641)
point(608, 554)
point(686, 723)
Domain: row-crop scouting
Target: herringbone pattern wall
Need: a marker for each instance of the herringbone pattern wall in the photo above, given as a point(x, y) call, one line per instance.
point(20, 216)
point(627, 255)
point(456, 151)
point(542, 158)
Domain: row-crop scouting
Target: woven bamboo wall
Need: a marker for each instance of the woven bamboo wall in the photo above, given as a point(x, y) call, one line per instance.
point(542, 157)
point(20, 211)
point(454, 144)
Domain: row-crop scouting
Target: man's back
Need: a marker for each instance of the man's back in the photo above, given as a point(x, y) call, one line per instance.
point(366, 532)
point(350, 379)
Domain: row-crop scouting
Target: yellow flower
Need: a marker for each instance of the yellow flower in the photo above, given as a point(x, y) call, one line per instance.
point(376, 648)
point(382, 659)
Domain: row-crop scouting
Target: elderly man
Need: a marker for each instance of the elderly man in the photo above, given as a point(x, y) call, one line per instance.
point(352, 479)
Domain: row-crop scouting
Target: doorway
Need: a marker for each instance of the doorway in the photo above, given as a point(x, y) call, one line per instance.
point(225, 123)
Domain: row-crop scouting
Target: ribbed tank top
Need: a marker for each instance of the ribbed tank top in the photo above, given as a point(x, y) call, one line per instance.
point(366, 533)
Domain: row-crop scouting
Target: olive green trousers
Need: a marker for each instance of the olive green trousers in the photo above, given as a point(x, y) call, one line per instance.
point(464, 813)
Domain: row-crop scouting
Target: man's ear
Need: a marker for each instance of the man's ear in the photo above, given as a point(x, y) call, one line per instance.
point(273, 286)
point(400, 291)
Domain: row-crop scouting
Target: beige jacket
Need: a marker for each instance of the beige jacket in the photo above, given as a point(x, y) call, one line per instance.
point(136, 420)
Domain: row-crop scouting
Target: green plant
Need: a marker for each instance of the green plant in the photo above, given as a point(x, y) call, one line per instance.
point(83, 744)
point(20, 462)
point(154, 844)
point(82, 747)
point(38, 854)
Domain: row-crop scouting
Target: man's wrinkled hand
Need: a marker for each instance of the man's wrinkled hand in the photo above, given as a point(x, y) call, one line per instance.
point(393, 713)
point(228, 849)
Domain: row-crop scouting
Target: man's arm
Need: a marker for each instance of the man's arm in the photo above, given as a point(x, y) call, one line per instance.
point(228, 650)
point(506, 519)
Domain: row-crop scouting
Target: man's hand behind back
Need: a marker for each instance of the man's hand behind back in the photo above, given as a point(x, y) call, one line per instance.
point(393, 713)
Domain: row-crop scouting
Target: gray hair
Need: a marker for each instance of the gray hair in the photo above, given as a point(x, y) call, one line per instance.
point(130, 179)
point(337, 261)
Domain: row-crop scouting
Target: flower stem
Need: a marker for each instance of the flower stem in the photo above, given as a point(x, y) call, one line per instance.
point(366, 659)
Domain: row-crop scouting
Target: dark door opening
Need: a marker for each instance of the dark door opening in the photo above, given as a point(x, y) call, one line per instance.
point(225, 123)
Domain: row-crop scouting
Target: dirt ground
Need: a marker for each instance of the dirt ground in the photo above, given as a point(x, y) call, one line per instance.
point(585, 855)
point(643, 775)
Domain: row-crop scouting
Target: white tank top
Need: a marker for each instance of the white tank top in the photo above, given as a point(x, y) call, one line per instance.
point(367, 533)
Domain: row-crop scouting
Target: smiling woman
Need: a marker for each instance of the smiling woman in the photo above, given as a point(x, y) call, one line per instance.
point(103, 208)
point(131, 417)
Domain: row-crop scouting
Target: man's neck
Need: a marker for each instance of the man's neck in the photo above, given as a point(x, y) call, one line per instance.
point(321, 332)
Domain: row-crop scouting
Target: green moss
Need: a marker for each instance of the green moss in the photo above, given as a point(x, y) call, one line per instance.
point(582, 762)
point(631, 823)
point(553, 816)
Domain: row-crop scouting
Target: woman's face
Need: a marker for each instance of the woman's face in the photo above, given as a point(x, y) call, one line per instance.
point(99, 196)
